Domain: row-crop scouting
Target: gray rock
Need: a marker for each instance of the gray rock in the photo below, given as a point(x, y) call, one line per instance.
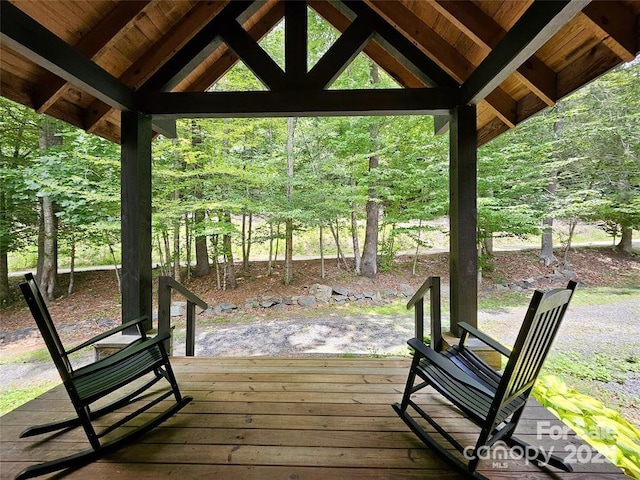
point(267, 303)
point(321, 292)
point(227, 307)
point(407, 290)
point(340, 298)
point(341, 291)
point(306, 301)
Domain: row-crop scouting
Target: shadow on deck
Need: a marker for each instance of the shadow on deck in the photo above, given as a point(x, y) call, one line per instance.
point(285, 418)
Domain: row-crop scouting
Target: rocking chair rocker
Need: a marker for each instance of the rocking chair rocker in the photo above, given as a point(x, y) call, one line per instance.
point(144, 357)
point(492, 400)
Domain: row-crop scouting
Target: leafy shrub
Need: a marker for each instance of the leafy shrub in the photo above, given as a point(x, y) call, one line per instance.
point(603, 428)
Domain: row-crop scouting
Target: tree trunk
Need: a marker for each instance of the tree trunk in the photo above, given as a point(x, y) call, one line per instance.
point(370, 251)
point(187, 243)
point(356, 241)
point(48, 236)
point(247, 221)
point(72, 264)
point(270, 263)
point(321, 243)
point(626, 240)
point(415, 257)
point(336, 237)
point(202, 250)
point(487, 245)
point(288, 249)
point(5, 222)
point(230, 271)
point(546, 251)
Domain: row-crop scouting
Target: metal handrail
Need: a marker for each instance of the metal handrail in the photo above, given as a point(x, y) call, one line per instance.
point(165, 286)
point(432, 284)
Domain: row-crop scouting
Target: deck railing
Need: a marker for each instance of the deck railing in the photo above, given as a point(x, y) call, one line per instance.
point(432, 285)
point(165, 287)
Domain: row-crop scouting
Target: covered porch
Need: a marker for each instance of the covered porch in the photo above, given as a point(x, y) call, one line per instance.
point(287, 418)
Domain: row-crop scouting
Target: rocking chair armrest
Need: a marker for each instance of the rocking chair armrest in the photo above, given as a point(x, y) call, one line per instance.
point(446, 365)
point(118, 357)
point(486, 339)
point(108, 333)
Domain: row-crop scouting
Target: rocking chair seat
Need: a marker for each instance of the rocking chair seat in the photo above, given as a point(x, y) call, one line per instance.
point(135, 369)
point(491, 399)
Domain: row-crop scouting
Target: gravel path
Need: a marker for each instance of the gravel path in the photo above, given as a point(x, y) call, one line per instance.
point(609, 329)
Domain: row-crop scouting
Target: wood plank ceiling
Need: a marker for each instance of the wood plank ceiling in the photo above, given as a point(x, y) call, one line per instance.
point(511, 58)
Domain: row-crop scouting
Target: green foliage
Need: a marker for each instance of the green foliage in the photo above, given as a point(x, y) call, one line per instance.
point(599, 366)
point(603, 428)
point(15, 397)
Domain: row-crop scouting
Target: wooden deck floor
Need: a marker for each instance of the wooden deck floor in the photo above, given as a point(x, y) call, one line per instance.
point(281, 418)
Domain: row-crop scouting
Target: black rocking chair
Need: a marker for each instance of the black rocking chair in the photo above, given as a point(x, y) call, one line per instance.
point(144, 357)
point(492, 400)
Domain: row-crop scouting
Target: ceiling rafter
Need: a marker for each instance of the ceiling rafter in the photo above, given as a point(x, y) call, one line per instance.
point(31, 40)
point(51, 88)
point(397, 44)
point(37, 44)
point(618, 24)
point(253, 56)
point(433, 45)
point(532, 30)
point(407, 75)
point(226, 58)
point(155, 57)
point(486, 33)
point(203, 43)
point(425, 101)
point(340, 54)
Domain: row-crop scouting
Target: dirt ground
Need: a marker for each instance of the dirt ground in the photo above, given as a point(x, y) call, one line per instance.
point(298, 331)
point(95, 299)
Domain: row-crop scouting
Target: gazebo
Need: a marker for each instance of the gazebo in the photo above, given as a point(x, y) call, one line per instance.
point(126, 70)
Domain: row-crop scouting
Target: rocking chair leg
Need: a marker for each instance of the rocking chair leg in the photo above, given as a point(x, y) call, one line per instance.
point(535, 453)
point(80, 459)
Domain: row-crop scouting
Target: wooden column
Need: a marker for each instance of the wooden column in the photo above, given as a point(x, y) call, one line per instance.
point(136, 216)
point(463, 217)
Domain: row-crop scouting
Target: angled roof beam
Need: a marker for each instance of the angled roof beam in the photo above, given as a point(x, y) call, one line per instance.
point(425, 101)
point(341, 54)
point(270, 15)
point(445, 55)
point(30, 39)
point(155, 57)
point(253, 56)
point(51, 87)
point(398, 45)
point(405, 74)
point(295, 39)
point(197, 49)
point(486, 32)
point(619, 24)
point(534, 28)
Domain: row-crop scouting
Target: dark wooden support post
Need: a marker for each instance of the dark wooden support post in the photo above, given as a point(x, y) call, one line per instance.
point(463, 217)
point(136, 216)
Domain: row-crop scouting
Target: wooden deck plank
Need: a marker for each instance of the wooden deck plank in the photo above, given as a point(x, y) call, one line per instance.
point(273, 418)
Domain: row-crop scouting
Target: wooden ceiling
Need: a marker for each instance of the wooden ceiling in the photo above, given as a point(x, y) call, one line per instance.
point(511, 58)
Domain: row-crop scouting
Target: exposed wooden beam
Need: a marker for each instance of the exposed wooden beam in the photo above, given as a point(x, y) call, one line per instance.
point(618, 24)
point(30, 39)
point(253, 56)
point(406, 74)
point(398, 45)
point(295, 40)
point(271, 15)
point(486, 33)
point(427, 101)
point(340, 54)
point(197, 49)
point(140, 71)
point(404, 20)
point(51, 87)
point(441, 124)
point(532, 30)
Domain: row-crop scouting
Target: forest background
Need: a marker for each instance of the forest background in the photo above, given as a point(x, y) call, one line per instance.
point(364, 187)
